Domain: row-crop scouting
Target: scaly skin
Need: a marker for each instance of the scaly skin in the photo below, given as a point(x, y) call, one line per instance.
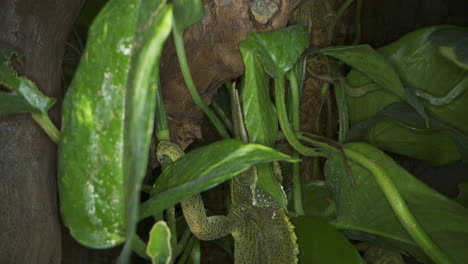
point(259, 225)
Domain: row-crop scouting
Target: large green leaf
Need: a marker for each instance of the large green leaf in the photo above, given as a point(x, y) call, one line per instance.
point(260, 119)
point(278, 50)
point(187, 13)
point(452, 43)
point(11, 103)
point(110, 101)
point(205, 168)
point(154, 26)
point(159, 244)
point(435, 146)
point(376, 68)
point(318, 200)
point(91, 182)
point(28, 97)
point(322, 243)
point(259, 112)
point(417, 59)
point(405, 133)
point(366, 214)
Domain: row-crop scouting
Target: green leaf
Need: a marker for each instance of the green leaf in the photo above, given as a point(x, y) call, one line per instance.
point(318, 200)
point(260, 116)
point(397, 128)
point(377, 68)
point(366, 214)
point(11, 103)
point(343, 113)
point(421, 67)
point(278, 50)
point(21, 86)
point(260, 120)
point(91, 182)
point(322, 243)
point(110, 101)
point(187, 13)
point(159, 244)
point(452, 43)
point(205, 168)
point(153, 28)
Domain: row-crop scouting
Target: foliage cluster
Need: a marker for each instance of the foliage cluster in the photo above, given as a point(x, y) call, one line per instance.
point(408, 98)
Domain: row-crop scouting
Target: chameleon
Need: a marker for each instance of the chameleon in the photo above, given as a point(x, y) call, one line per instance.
point(259, 225)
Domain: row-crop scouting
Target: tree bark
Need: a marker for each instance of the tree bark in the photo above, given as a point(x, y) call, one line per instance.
point(29, 218)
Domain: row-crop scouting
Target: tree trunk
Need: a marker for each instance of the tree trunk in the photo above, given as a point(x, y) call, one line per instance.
point(29, 218)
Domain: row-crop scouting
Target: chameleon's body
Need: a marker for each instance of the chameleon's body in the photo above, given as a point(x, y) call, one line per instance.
point(259, 225)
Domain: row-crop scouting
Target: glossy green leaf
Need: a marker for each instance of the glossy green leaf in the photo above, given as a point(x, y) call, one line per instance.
point(11, 103)
point(20, 86)
point(419, 144)
point(405, 133)
point(452, 43)
point(318, 200)
point(260, 119)
point(278, 50)
point(205, 168)
point(421, 67)
point(365, 214)
point(322, 243)
point(153, 27)
point(260, 116)
point(159, 244)
point(96, 123)
point(187, 13)
point(377, 68)
point(91, 182)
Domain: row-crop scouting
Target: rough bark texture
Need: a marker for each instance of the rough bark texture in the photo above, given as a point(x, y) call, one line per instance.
point(214, 56)
point(29, 218)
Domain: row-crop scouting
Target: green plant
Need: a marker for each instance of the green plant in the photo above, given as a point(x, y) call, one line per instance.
point(408, 97)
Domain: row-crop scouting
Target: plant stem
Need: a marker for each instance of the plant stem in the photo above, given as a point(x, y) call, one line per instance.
point(195, 254)
point(357, 23)
point(398, 204)
point(222, 114)
point(46, 124)
point(297, 186)
point(296, 125)
point(171, 223)
point(183, 241)
point(342, 9)
point(336, 18)
point(161, 127)
point(296, 122)
point(188, 249)
point(284, 123)
point(179, 44)
point(139, 247)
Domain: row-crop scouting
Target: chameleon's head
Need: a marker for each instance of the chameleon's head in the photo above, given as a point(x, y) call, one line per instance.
point(168, 152)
